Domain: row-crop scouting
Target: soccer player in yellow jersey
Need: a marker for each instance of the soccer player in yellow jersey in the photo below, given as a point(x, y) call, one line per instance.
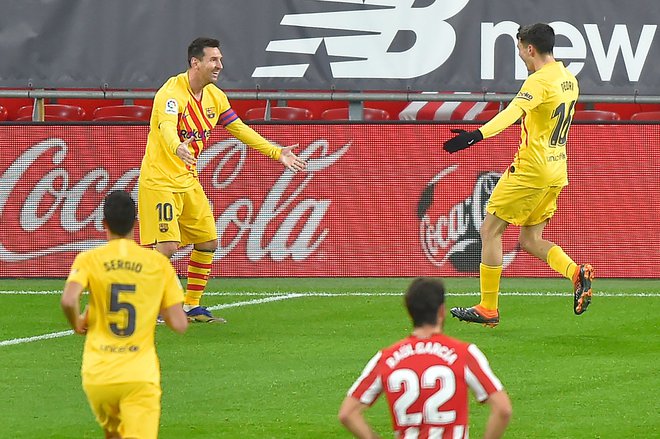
point(526, 194)
point(128, 287)
point(173, 207)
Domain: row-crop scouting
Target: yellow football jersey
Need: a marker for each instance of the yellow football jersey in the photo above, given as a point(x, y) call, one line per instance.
point(178, 115)
point(547, 99)
point(128, 285)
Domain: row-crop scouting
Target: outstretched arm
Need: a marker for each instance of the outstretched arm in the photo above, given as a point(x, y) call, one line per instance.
point(253, 139)
point(502, 121)
point(290, 160)
point(499, 123)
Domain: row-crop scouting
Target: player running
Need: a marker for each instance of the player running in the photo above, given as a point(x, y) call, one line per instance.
point(526, 194)
point(128, 286)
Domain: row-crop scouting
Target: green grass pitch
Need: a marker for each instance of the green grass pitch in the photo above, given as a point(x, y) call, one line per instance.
point(292, 347)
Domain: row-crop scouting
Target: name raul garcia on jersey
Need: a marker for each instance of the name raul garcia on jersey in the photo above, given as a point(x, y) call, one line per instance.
point(441, 351)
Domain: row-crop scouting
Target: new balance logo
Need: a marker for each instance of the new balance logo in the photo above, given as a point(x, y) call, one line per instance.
point(372, 38)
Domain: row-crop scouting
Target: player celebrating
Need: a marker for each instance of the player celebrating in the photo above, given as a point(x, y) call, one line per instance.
point(526, 195)
point(128, 287)
point(173, 207)
point(426, 377)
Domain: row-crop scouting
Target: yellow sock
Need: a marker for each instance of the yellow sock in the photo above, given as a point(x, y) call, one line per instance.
point(561, 262)
point(489, 280)
point(199, 268)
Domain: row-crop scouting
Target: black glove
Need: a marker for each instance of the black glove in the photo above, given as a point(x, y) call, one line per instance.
point(465, 139)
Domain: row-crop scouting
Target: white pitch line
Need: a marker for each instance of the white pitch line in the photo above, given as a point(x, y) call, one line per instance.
point(359, 293)
point(255, 301)
point(365, 294)
point(36, 338)
point(221, 306)
point(31, 293)
point(274, 297)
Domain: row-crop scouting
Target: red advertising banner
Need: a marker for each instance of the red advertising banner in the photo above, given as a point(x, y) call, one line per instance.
point(377, 200)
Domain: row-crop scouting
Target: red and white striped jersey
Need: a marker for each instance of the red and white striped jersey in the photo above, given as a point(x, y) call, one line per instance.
point(426, 383)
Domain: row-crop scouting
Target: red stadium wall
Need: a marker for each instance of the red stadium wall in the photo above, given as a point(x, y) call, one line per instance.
point(378, 200)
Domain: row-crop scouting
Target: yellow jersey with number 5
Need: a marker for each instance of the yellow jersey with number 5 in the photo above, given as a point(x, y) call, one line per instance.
point(128, 285)
point(548, 99)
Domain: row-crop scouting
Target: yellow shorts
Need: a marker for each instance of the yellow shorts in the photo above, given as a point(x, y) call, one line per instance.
point(522, 205)
point(183, 217)
point(130, 409)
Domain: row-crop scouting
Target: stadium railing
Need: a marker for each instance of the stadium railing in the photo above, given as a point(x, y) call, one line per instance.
point(356, 100)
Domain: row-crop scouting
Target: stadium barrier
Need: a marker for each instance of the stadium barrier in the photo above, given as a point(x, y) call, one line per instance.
point(377, 200)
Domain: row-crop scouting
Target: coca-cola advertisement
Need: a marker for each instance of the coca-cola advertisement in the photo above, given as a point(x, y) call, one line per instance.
point(375, 200)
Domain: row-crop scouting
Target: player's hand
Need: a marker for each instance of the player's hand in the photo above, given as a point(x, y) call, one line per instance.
point(184, 153)
point(81, 327)
point(463, 140)
point(290, 160)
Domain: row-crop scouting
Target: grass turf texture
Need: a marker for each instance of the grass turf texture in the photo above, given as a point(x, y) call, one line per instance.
point(280, 369)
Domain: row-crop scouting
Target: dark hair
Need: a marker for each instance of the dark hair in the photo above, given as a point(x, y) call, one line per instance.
point(539, 35)
point(196, 48)
point(423, 299)
point(119, 212)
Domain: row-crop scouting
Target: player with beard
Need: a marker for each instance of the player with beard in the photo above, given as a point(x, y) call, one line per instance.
point(173, 208)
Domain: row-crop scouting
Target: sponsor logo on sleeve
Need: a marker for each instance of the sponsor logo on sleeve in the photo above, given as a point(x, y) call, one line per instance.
point(171, 106)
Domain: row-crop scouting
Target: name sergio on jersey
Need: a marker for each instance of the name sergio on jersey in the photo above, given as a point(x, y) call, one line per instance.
point(118, 264)
point(422, 348)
